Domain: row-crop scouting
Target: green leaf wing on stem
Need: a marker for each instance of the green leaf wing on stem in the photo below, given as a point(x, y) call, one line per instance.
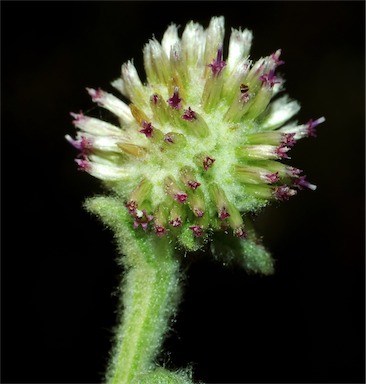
point(249, 252)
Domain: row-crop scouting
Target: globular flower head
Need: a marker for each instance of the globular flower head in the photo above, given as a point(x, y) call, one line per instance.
point(204, 139)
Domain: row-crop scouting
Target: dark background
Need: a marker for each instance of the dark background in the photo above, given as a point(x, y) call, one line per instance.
point(58, 274)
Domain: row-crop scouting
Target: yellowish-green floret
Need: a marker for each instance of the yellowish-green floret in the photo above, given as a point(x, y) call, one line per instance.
point(203, 141)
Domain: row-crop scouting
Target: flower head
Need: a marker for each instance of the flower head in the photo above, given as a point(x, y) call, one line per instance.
point(201, 142)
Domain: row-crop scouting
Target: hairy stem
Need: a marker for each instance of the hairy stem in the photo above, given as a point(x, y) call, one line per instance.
point(150, 293)
point(148, 290)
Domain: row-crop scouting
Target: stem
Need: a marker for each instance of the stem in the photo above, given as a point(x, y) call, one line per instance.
point(150, 290)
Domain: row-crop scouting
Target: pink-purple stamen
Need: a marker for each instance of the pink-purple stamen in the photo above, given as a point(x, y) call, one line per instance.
point(197, 230)
point(96, 95)
point(198, 212)
point(147, 129)
point(177, 222)
point(217, 64)
point(78, 117)
point(84, 145)
point(276, 58)
point(272, 177)
point(193, 184)
point(223, 214)
point(155, 98)
point(281, 152)
point(288, 139)
point(241, 233)
point(208, 162)
point(189, 115)
point(169, 138)
point(160, 230)
point(292, 171)
point(84, 164)
point(283, 192)
point(311, 125)
point(301, 183)
point(142, 218)
point(131, 206)
point(174, 101)
point(181, 197)
point(269, 79)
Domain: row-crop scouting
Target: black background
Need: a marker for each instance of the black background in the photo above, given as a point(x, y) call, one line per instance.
point(304, 324)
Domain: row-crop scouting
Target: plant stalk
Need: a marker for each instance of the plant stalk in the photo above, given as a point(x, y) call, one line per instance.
point(149, 298)
point(150, 293)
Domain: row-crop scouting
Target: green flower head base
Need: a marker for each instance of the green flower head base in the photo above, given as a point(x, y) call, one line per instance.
point(201, 144)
